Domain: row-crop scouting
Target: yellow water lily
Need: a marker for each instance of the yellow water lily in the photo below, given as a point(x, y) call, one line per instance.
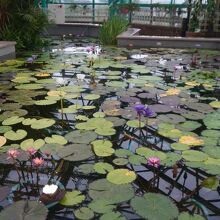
point(172, 91)
point(215, 104)
point(191, 140)
point(192, 83)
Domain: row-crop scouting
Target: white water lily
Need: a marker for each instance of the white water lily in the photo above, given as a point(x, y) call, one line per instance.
point(50, 189)
point(80, 76)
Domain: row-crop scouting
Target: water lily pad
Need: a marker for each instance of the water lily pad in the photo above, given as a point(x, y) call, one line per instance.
point(42, 123)
point(56, 139)
point(103, 148)
point(120, 161)
point(45, 102)
point(25, 209)
point(187, 216)
point(12, 120)
point(75, 152)
point(112, 216)
point(211, 182)
point(137, 160)
point(91, 97)
point(212, 121)
point(188, 126)
point(81, 137)
point(179, 146)
point(154, 206)
point(103, 168)
point(15, 135)
point(146, 152)
point(194, 155)
point(121, 176)
point(102, 189)
point(102, 206)
point(135, 124)
point(28, 143)
point(84, 213)
point(72, 198)
point(4, 129)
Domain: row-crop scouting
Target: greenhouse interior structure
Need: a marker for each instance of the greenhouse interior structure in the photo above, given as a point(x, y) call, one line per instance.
point(110, 109)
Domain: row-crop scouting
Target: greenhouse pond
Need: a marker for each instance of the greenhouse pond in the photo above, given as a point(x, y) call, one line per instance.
point(91, 132)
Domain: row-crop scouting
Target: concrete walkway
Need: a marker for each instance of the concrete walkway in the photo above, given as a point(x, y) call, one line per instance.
point(7, 50)
point(131, 38)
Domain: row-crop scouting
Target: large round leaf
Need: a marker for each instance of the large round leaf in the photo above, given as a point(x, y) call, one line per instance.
point(72, 198)
point(102, 189)
point(75, 152)
point(84, 213)
point(81, 137)
point(154, 206)
point(121, 176)
point(42, 123)
point(15, 135)
point(25, 210)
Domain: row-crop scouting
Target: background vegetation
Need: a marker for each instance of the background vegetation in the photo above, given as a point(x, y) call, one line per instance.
point(20, 21)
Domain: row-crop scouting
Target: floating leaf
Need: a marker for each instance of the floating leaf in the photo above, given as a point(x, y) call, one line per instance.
point(28, 143)
point(42, 123)
point(187, 216)
point(121, 176)
point(193, 155)
point(4, 129)
point(56, 139)
point(25, 209)
point(191, 140)
point(81, 137)
point(102, 206)
point(112, 216)
point(215, 104)
point(91, 97)
point(12, 120)
point(154, 206)
point(102, 189)
point(135, 124)
point(72, 198)
point(45, 102)
point(15, 135)
point(102, 148)
point(103, 168)
point(211, 182)
point(146, 152)
point(75, 152)
point(84, 213)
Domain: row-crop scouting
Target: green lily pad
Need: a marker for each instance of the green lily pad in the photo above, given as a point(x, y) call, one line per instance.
point(42, 123)
point(102, 189)
point(120, 161)
point(75, 152)
point(84, 213)
point(187, 216)
point(194, 155)
point(81, 137)
point(45, 102)
point(112, 216)
point(56, 139)
point(137, 160)
point(4, 129)
point(188, 126)
point(121, 176)
point(102, 206)
point(135, 124)
point(12, 120)
point(15, 135)
point(154, 206)
point(211, 182)
point(25, 209)
point(179, 146)
point(146, 152)
point(28, 143)
point(91, 97)
point(72, 198)
point(103, 148)
point(103, 168)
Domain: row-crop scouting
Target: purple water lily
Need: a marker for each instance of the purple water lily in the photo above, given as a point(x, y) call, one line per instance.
point(143, 110)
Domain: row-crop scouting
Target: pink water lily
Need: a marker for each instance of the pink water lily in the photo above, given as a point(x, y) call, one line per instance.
point(38, 161)
point(13, 154)
point(31, 151)
point(154, 161)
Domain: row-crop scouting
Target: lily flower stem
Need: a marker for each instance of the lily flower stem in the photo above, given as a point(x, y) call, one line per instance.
point(37, 183)
point(61, 106)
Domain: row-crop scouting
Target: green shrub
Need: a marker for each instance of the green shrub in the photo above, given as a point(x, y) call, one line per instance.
point(20, 21)
point(110, 29)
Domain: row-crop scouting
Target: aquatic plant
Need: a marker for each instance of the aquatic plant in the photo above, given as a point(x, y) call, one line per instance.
point(110, 29)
